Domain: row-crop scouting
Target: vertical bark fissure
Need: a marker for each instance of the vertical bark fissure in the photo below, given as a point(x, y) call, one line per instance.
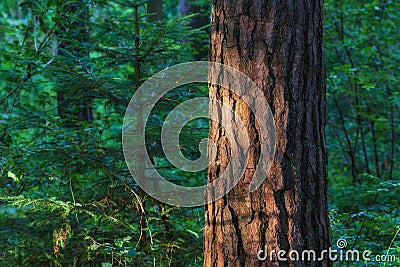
point(241, 256)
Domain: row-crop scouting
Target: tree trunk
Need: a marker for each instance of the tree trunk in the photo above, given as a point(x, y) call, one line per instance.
point(154, 7)
point(278, 44)
point(200, 20)
point(183, 7)
point(72, 32)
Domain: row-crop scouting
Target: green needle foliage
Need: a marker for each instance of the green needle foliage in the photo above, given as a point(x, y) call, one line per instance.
point(362, 58)
point(66, 196)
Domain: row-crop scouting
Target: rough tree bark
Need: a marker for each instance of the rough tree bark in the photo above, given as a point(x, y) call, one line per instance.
point(278, 44)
